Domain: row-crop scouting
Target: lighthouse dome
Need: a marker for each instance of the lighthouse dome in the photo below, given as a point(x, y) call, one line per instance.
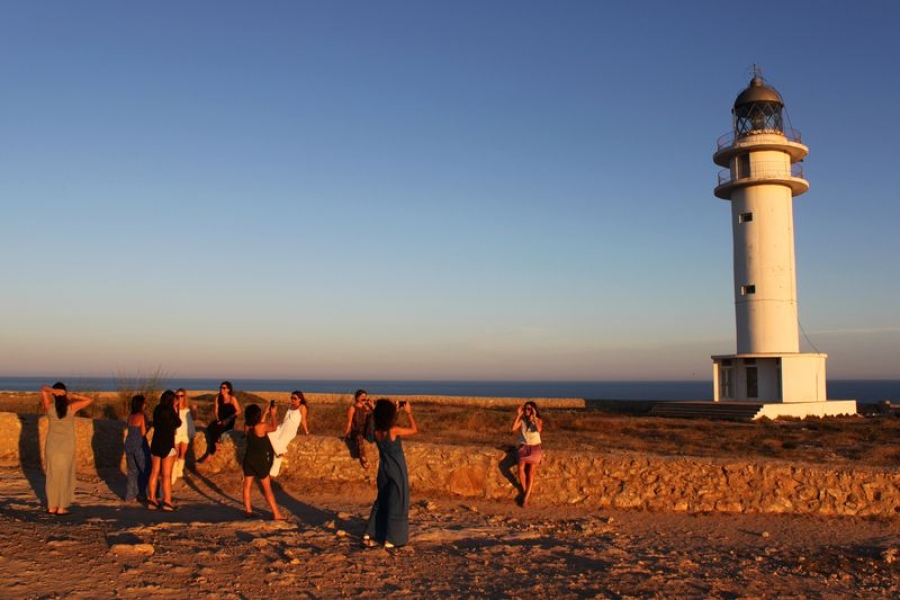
point(758, 110)
point(758, 91)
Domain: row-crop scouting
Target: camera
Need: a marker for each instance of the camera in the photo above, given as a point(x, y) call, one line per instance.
point(401, 404)
point(271, 404)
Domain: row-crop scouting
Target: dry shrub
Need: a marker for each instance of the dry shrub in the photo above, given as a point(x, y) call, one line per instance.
point(150, 386)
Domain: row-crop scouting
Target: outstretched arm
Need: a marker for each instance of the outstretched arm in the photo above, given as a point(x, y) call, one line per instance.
point(406, 431)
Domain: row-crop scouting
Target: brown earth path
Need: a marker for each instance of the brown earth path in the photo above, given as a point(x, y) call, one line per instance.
point(106, 549)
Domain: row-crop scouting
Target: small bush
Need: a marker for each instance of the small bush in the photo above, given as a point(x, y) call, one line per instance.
point(150, 386)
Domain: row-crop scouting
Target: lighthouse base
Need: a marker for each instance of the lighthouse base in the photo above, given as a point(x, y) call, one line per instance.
point(786, 385)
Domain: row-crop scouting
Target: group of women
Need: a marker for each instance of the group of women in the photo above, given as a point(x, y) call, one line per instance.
point(388, 523)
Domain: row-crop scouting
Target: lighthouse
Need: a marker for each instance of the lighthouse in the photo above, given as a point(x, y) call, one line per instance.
point(762, 175)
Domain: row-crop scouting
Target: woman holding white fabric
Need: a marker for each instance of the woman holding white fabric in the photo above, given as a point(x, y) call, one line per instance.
point(184, 435)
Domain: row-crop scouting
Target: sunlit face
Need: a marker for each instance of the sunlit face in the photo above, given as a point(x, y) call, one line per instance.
point(180, 397)
point(295, 400)
point(362, 398)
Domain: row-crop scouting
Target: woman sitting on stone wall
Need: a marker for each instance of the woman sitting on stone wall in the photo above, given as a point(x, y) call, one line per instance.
point(529, 425)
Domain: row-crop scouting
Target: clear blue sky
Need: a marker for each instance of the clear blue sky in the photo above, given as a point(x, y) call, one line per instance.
point(428, 190)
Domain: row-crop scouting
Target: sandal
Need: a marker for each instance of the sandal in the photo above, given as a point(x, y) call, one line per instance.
point(152, 504)
point(168, 507)
point(368, 542)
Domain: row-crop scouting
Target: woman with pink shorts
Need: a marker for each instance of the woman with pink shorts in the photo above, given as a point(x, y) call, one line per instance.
point(529, 425)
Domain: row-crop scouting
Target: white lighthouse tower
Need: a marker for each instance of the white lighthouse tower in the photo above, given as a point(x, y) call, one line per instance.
point(761, 177)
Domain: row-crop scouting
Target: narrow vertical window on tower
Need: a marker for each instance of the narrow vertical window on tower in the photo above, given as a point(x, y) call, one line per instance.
point(752, 378)
point(742, 167)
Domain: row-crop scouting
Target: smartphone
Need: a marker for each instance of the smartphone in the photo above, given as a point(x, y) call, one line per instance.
point(271, 404)
point(402, 403)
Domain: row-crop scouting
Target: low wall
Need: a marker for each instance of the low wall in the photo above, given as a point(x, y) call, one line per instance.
point(682, 484)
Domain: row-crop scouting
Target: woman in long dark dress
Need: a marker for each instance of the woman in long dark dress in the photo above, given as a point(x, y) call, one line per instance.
point(162, 450)
point(59, 449)
point(389, 520)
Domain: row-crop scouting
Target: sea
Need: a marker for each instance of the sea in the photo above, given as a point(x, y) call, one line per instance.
point(862, 390)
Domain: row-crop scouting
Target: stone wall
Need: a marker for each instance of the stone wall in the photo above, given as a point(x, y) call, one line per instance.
point(602, 480)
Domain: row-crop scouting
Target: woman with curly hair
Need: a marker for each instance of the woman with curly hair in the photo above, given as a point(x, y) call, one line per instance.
point(389, 520)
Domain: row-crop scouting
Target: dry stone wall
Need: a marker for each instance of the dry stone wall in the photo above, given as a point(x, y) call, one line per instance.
point(599, 480)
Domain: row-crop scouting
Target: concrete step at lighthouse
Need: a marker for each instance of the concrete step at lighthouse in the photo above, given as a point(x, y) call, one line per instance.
point(734, 411)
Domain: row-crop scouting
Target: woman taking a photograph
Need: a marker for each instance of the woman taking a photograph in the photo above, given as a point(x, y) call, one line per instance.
point(59, 450)
point(162, 451)
point(226, 410)
point(529, 425)
point(389, 520)
point(258, 456)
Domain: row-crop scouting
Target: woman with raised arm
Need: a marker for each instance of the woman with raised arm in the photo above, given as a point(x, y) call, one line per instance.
point(528, 424)
point(294, 418)
point(59, 450)
point(355, 432)
point(258, 456)
point(389, 520)
point(226, 410)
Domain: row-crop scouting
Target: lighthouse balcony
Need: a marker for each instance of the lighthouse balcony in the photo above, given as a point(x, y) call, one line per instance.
point(761, 173)
point(729, 145)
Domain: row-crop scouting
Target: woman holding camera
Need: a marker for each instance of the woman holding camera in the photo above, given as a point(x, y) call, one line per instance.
point(389, 520)
point(529, 425)
point(258, 456)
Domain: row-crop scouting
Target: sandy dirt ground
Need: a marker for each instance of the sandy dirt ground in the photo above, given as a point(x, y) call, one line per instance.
point(458, 549)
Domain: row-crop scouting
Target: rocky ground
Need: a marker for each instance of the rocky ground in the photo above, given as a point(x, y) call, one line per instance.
point(105, 548)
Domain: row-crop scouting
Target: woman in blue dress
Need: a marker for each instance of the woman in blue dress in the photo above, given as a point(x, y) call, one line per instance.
point(389, 521)
point(137, 452)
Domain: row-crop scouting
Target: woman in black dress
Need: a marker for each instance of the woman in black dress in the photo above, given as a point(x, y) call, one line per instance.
point(226, 410)
point(259, 455)
point(162, 451)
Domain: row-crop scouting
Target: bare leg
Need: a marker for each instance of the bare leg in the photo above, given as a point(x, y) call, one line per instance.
point(178, 468)
point(531, 472)
point(167, 463)
point(154, 479)
point(266, 484)
point(522, 483)
point(248, 483)
point(361, 450)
